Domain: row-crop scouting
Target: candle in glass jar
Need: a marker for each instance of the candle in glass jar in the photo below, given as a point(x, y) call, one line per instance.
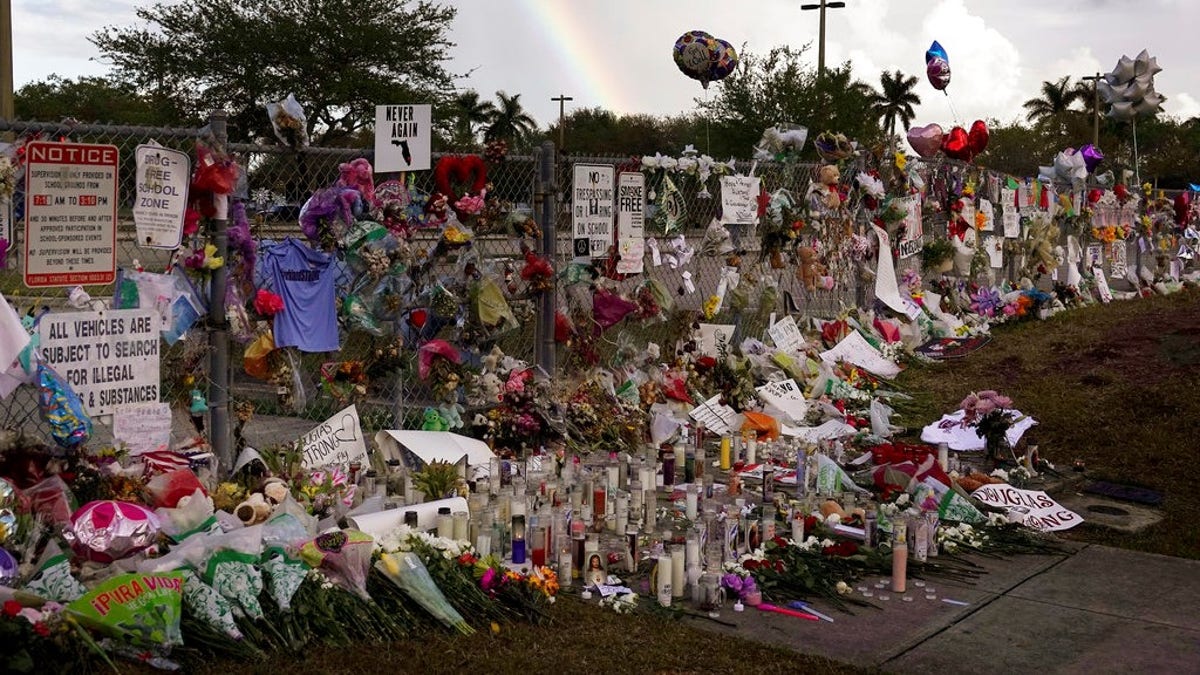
point(668, 468)
point(462, 520)
point(726, 453)
point(599, 498)
point(943, 456)
point(678, 563)
point(613, 471)
point(538, 554)
point(445, 523)
point(692, 501)
point(701, 460)
point(751, 450)
point(662, 580)
point(483, 544)
point(518, 539)
point(631, 549)
point(692, 548)
point(651, 509)
point(622, 512)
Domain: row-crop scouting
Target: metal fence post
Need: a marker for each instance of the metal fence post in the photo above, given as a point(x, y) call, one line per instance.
point(218, 329)
point(546, 191)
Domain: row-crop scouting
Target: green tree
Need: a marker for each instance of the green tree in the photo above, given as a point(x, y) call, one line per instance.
point(470, 114)
point(1053, 104)
point(509, 121)
point(895, 100)
point(340, 59)
point(90, 99)
point(778, 87)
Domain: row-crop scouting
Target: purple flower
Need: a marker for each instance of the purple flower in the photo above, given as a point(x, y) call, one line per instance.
point(733, 582)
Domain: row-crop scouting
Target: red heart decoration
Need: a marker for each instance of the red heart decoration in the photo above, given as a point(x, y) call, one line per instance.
point(977, 139)
point(467, 170)
point(957, 145)
point(417, 318)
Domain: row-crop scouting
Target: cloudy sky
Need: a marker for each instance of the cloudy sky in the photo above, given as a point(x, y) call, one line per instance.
point(617, 53)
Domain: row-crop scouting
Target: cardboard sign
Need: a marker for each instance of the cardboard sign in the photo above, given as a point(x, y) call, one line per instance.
point(715, 416)
point(631, 222)
point(713, 336)
point(914, 230)
point(1118, 266)
point(338, 440)
point(786, 334)
point(402, 134)
point(739, 200)
point(1031, 508)
point(143, 427)
point(786, 396)
point(855, 349)
point(70, 214)
point(592, 199)
point(110, 358)
point(160, 199)
point(994, 246)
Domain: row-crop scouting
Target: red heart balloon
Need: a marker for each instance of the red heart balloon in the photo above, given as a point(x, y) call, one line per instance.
point(957, 145)
point(978, 138)
point(466, 170)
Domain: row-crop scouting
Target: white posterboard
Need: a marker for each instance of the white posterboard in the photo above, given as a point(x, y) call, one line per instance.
point(631, 222)
point(855, 349)
point(1031, 508)
point(160, 198)
point(786, 396)
point(338, 441)
point(70, 214)
point(110, 358)
point(402, 134)
point(143, 427)
point(592, 199)
point(739, 200)
point(786, 334)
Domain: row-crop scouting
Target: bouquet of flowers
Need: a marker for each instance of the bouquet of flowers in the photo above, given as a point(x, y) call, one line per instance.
point(989, 412)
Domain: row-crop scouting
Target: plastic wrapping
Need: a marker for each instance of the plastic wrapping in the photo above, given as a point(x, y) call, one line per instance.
point(108, 530)
point(255, 357)
point(289, 122)
point(70, 425)
point(344, 556)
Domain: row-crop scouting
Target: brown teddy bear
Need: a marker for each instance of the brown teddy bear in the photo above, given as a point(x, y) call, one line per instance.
point(810, 270)
point(828, 177)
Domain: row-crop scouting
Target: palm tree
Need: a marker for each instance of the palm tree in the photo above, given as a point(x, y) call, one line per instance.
point(471, 114)
point(1056, 98)
point(509, 121)
point(896, 100)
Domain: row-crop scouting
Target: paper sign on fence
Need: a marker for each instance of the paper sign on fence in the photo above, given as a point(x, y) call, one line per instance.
point(786, 396)
point(143, 427)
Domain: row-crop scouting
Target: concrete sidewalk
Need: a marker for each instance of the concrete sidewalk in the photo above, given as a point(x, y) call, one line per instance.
point(1094, 609)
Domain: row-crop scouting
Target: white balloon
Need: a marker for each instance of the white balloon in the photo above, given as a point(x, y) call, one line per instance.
point(1125, 70)
point(1137, 89)
point(1148, 105)
point(1108, 92)
point(1144, 63)
point(1046, 174)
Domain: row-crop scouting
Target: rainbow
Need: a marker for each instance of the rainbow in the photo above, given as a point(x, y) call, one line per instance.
point(561, 25)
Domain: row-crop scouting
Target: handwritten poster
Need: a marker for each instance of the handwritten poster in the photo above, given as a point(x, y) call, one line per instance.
point(739, 200)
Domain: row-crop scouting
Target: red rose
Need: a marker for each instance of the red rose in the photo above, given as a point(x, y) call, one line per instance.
point(751, 565)
point(12, 608)
point(41, 629)
point(706, 362)
point(779, 566)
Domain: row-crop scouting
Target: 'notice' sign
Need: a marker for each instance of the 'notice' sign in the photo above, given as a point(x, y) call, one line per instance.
point(70, 214)
point(109, 358)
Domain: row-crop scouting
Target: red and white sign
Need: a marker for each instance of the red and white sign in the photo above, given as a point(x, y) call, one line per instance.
point(70, 214)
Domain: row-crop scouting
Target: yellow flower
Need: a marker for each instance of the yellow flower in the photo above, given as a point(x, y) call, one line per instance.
point(710, 307)
point(901, 160)
point(212, 261)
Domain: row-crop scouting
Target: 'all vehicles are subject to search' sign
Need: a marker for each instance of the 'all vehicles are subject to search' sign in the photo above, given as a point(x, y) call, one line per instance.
point(70, 214)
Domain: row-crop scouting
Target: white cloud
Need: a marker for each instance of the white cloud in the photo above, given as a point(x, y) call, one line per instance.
point(1183, 106)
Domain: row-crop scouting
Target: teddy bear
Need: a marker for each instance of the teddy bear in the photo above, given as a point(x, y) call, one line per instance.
point(810, 270)
point(823, 193)
point(359, 175)
point(433, 421)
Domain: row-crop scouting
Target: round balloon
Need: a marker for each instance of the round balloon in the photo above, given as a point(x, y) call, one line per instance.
point(109, 530)
point(8, 568)
point(937, 66)
point(926, 140)
point(693, 54)
point(8, 510)
point(723, 60)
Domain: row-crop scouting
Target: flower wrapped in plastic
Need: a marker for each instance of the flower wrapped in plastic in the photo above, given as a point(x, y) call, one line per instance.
point(409, 574)
point(344, 556)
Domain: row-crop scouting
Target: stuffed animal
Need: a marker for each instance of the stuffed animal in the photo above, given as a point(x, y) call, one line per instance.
point(810, 269)
point(452, 415)
point(828, 178)
point(434, 422)
point(359, 175)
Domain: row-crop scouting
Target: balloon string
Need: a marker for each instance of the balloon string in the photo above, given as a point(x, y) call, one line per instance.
point(1137, 173)
point(953, 110)
point(707, 125)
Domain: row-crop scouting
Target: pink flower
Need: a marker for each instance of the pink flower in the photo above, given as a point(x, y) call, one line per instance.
point(988, 393)
point(317, 478)
point(1003, 401)
point(969, 402)
point(985, 406)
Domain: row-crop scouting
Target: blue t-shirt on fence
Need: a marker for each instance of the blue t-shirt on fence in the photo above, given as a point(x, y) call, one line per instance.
point(304, 278)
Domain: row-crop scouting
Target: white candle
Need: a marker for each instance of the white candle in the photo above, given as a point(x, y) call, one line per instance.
point(662, 580)
point(483, 545)
point(651, 509)
point(944, 456)
point(461, 522)
point(693, 552)
point(692, 501)
point(677, 567)
point(614, 476)
point(622, 519)
point(751, 450)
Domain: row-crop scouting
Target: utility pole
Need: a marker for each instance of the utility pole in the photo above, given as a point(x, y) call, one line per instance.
point(821, 35)
point(7, 111)
point(1095, 80)
point(562, 109)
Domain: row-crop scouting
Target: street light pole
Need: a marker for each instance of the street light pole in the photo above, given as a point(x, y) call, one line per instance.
point(562, 108)
point(1095, 80)
point(821, 34)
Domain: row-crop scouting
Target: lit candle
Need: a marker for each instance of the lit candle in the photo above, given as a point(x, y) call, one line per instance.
point(518, 539)
point(678, 563)
point(899, 556)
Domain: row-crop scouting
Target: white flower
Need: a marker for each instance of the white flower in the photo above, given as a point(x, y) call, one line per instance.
point(902, 499)
point(826, 543)
point(833, 519)
point(1001, 474)
point(842, 588)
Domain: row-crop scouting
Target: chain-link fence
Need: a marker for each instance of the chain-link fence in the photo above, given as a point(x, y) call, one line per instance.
point(384, 317)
